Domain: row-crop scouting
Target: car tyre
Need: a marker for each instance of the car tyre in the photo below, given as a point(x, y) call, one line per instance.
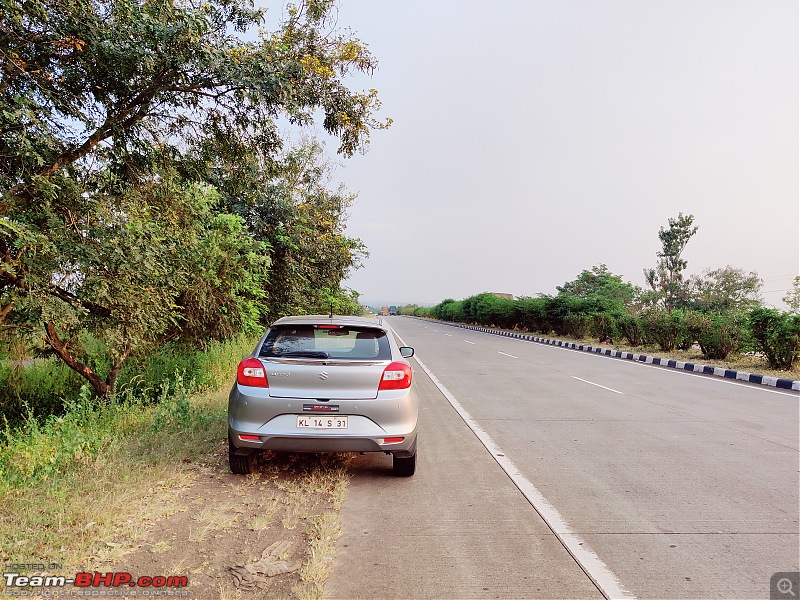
point(241, 464)
point(404, 466)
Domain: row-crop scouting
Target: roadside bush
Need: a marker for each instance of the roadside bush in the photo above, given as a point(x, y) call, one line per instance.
point(449, 310)
point(718, 334)
point(606, 325)
point(777, 335)
point(559, 309)
point(532, 314)
point(47, 386)
point(38, 389)
point(469, 306)
point(632, 329)
point(41, 448)
point(207, 368)
point(577, 325)
point(500, 312)
point(666, 329)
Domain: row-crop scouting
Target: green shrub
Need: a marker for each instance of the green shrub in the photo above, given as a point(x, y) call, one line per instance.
point(559, 308)
point(606, 325)
point(205, 369)
point(718, 334)
point(449, 310)
point(632, 329)
point(578, 326)
point(39, 389)
point(493, 311)
point(41, 448)
point(666, 329)
point(47, 386)
point(777, 335)
point(532, 314)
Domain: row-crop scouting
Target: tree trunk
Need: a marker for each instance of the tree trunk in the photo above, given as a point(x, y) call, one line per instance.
point(5, 311)
point(51, 338)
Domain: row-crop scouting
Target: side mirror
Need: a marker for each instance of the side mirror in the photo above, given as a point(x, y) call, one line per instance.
point(406, 352)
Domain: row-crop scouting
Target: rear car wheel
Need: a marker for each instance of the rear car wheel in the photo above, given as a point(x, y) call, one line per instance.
point(241, 464)
point(404, 466)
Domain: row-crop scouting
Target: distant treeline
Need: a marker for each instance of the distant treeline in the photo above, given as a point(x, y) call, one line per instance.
point(720, 311)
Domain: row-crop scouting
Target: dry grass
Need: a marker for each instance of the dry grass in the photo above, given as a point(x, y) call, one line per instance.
point(97, 514)
point(323, 531)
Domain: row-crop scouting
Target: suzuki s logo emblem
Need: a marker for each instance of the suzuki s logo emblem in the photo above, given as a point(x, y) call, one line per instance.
point(323, 375)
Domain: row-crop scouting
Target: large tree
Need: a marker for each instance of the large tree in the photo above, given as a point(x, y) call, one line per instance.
point(724, 290)
point(118, 119)
point(599, 281)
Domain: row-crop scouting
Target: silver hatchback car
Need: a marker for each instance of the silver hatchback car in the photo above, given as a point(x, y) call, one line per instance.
point(324, 384)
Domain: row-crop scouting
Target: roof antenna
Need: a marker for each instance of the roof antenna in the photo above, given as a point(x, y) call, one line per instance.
point(331, 315)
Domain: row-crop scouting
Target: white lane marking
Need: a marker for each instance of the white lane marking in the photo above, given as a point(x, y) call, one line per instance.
point(664, 369)
point(598, 385)
point(591, 564)
point(448, 335)
point(473, 343)
point(511, 355)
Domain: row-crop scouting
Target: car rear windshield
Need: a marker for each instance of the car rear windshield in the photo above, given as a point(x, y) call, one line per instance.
point(326, 341)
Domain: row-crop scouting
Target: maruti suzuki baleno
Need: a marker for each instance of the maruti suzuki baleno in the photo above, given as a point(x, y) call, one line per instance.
point(324, 384)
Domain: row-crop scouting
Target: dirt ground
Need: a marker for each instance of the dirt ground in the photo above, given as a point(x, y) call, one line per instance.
point(224, 520)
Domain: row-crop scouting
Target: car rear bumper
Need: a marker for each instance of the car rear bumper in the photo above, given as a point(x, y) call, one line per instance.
point(274, 420)
point(337, 443)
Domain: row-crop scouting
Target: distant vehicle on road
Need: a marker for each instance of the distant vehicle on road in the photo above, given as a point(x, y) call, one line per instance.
point(392, 310)
point(324, 383)
point(385, 311)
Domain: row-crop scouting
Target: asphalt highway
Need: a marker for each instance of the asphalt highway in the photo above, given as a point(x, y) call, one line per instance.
point(600, 477)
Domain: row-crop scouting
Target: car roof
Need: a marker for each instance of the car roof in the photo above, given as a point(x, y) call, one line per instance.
point(328, 320)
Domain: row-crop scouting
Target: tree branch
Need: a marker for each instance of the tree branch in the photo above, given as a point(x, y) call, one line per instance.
point(5, 311)
point(127, 116)
point(55, 342)
point(70, 298)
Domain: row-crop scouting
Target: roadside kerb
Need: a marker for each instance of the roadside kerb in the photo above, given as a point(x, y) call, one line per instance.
point(776, 382)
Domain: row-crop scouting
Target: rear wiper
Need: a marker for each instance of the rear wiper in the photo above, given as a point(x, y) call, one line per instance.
point(306, 354)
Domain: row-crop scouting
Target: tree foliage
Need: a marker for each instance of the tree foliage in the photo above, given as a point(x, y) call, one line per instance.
point(724, 290)
point(600, 282)
point(145, 193)
point(792, 299)
point(303, 221)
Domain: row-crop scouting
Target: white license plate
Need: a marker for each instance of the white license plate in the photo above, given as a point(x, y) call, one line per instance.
point(304, 422)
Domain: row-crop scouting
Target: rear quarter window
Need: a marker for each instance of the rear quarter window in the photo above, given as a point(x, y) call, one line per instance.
point(339, 342)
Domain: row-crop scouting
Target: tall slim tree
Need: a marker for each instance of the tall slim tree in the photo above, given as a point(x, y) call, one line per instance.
point(667, 278)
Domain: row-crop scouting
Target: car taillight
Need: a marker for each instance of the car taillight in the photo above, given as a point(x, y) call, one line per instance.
point(397, 376)
point(251, 372)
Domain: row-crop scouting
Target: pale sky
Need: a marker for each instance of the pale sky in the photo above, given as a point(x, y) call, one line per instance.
point(533, 139)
